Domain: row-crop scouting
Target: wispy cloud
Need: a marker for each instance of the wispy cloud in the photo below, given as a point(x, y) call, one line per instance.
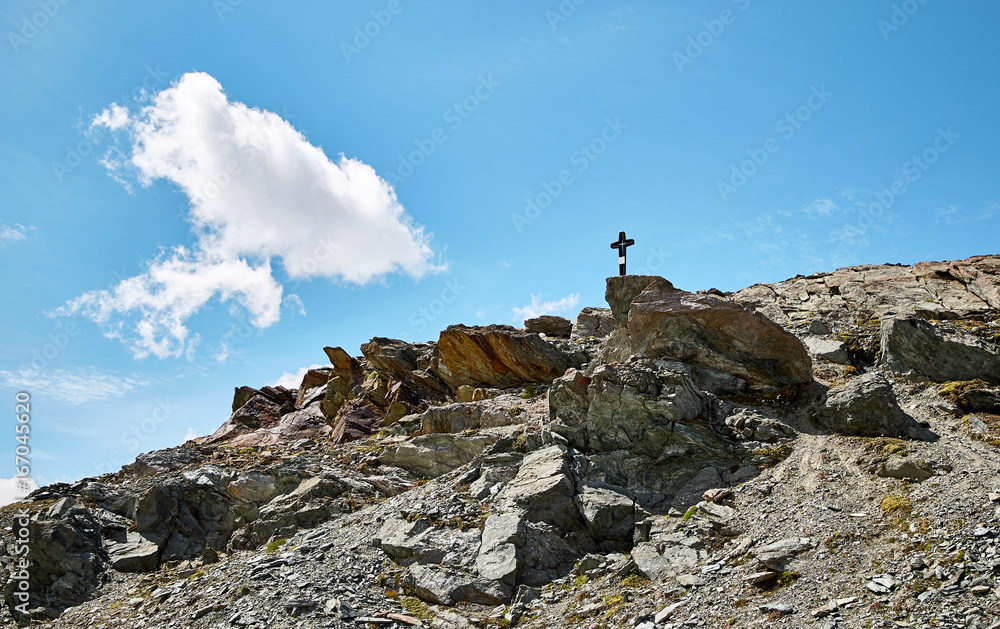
point(293, 380)
point(12, 233)
point(76, 386)
point(820, 207)
point(259, 195)
point(538, 307)
point(955, 215)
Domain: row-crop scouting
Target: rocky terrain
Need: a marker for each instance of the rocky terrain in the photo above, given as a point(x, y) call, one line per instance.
point(822, 452)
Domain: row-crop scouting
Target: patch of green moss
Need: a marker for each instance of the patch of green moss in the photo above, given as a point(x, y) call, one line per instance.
point(274, 545)
point(896, 504)
point(690, 512)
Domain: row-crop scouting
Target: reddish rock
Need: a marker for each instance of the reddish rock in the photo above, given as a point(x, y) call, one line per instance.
point(497, 356)
point(354, 421)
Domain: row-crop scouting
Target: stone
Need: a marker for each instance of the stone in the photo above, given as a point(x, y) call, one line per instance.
point(410, 364)
point(549, 325)
point(132, 552)
point(162, 461)
point(419, 542)
point(439, 586)
point(498, 356)
point(544, 488)
point(757, 578)
point(355, 420)
point(710, 334)
point(780, 608)
point(434, 454)
point(657, 562)
point(65, 560)
point(306, 423)
point(498, 554)
point(692, 491)
point(664, 614)
point(463, 416)
point(646, 426)
point(610, 516)
point(621, 290)
point(905, 468)
point(594, 323)
point(717, 495)
point(312, 379)
point(183, 518)
point(818, 327)
point(777, 555)
point(252, 487)
point(833, 351)
point(867, 407)
point(261, 411)
point(912, 345)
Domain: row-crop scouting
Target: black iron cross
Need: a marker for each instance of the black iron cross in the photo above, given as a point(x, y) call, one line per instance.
point(620, 246)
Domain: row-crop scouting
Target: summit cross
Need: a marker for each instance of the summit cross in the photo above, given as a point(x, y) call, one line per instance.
point(620, 246)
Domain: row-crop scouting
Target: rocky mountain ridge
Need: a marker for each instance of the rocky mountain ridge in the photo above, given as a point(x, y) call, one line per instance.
point(817, 452)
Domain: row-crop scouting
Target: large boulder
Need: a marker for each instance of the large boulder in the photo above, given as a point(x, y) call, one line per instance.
point(910, 344)
point(645, 425)
point(867, 407)
point(621, 290)
point(498, 356)
point(308, 423)
point(409, 364)
point(594, 322)
point(65, 557)
point(263, 409)
point(129, 551)
point(183, 518)
point(536, 531)
point(434, 454)
point(707, 332)
point(549, 325)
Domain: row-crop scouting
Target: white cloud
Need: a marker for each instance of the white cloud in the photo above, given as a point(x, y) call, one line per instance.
point(191, 434)
point(258, 192)
point(11, 491)
point(821, 207)
point(293, 380)
point(538, 307)
point(114, 117)
point(11, 233)
point(77, 386)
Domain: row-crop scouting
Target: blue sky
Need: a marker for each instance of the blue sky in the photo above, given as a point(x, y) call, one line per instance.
point(201, 195)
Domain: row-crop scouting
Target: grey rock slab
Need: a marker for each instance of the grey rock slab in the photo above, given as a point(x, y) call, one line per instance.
point(252, 487)
point(133, 554)
point(657, 562)
point(435, 454)
point(905, 468)
point(867, 407)
point(609, 514)
point(827, 349)
point(911, 344)
point(594, 322)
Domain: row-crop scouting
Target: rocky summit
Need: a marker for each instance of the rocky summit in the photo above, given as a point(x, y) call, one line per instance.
point(821, 452)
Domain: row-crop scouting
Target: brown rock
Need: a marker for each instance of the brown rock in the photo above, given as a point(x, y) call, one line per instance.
point(710, 333)
point(497, 356)
point(621, 290)
point(312, 379)
point(354, 421)
point(409, 363)
point(549, 325)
